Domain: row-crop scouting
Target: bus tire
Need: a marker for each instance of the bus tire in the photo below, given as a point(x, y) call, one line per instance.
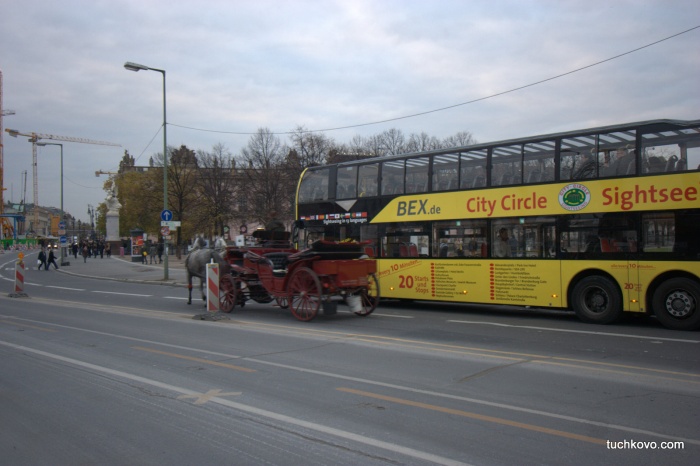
point(676, 303)
point(597, 300)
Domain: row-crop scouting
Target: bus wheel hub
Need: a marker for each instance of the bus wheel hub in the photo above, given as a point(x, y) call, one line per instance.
point(679, 304)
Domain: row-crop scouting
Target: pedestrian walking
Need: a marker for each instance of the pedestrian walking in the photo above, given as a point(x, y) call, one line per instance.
point(42, 260)
point(86, 252)
point(160, 253)
point(152, 252)
point(108, 250)
point(52, 260)
point(75, 250)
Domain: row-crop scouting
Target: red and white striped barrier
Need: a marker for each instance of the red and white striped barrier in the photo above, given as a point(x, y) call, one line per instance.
point(19, 279)
point(212, 287)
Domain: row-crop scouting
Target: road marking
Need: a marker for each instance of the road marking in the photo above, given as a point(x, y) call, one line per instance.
point(480, 417)
point(202, 398)
point(589, 332)
point(327, 430)
point(175, 297)
point(192, 358)
point(18, 324)
point(477, 401)
point(123, 294)
point(378, 314)
point(64, 288)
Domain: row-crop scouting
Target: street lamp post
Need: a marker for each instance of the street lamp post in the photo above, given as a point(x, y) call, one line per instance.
point(63, 214)
point(136, 67)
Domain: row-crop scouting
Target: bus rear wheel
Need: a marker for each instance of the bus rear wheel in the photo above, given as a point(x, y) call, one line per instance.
point(597, 300)
point(676, 304)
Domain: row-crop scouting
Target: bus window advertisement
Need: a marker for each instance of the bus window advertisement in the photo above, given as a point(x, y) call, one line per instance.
point(508, 282)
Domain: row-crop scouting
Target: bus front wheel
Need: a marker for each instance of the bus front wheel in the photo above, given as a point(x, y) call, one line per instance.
point(597, 300)
point(676, 304)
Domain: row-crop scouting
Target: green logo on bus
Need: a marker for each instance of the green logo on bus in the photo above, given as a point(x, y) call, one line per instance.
point(574, 197)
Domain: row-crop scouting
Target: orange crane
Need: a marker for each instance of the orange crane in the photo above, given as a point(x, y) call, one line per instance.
point(5, 227)
point(34, 138)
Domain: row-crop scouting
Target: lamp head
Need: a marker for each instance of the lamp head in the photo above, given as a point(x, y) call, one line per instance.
point(134, 66)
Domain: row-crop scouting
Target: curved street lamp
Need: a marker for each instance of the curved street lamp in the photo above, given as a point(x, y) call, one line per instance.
point(136, 67)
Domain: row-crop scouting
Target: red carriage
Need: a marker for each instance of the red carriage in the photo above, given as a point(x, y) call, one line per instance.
point(324, 275)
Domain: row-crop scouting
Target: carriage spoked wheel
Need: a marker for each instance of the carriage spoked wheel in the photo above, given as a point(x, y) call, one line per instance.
point(369, 296)
point(304, 290)
point(227, 294)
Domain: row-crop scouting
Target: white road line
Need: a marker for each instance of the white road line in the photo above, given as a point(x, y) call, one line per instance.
point(250, 409)
point(124, 294)
point(378, 314)
point(174, 297)
point(64, 288)
point(621, 335)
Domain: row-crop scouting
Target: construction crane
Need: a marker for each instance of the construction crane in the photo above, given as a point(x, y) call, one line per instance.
point(5, 227)
point(34, 138)
point(100, 172)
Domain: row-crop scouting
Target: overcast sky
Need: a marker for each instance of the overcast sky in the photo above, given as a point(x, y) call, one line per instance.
point(236, 66)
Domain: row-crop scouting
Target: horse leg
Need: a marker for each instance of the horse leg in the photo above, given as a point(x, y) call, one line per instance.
point(189, 287)
point(201, 288)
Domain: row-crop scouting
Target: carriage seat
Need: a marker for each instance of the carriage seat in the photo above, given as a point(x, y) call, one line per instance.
point(279, 261)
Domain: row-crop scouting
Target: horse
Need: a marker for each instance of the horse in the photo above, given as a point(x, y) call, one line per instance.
point(197, 260)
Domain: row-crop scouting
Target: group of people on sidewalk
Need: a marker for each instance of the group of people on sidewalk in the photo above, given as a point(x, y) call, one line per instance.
point(151, 252)
point(91, 249)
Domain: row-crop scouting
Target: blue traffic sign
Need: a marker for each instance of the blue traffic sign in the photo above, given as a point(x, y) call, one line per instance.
point(166, 215)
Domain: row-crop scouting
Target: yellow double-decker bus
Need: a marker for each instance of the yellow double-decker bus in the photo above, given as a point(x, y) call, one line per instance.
point(601, 221)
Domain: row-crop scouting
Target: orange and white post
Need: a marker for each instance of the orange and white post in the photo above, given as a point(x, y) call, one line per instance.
point(19, 278)
point(212, 287)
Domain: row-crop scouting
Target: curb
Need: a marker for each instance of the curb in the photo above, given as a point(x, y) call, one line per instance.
point(128, 280)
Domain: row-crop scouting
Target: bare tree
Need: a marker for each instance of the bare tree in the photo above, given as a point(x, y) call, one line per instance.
point(463, 138)
point(393, 142)
point(422, 142)
point(264, 181)
point(183, 175)
point(216, 182)
point(311, 148)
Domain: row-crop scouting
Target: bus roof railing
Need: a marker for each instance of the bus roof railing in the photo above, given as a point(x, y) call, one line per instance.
point(533, 139)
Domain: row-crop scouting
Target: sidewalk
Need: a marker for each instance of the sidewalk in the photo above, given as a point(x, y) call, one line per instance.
point(122, 269)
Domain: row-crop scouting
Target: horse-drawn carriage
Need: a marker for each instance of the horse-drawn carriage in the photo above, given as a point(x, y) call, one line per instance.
point(322, 276)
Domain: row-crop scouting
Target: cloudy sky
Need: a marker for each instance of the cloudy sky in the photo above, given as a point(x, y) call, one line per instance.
point(236, 66)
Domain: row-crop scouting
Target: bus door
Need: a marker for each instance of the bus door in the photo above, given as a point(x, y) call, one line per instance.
point(618, 237)
point(631, 289)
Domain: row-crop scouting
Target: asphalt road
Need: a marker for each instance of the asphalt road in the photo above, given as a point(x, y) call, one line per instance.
point(116, 372)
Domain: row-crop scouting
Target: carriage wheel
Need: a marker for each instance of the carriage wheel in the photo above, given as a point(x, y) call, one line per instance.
point(282, 302)
point(304, 290)
point(227, 294)
point(370, 296)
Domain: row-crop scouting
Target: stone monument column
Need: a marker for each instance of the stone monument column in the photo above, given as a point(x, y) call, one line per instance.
point(112, 219)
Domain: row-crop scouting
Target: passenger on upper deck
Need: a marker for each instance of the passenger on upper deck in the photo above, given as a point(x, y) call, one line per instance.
point(624, 161)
